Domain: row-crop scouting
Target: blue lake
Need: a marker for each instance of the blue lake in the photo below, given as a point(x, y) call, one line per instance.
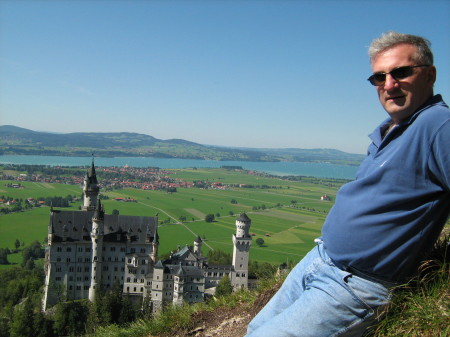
point(321, 170)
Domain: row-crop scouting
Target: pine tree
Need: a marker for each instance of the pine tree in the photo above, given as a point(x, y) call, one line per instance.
point(224, 287)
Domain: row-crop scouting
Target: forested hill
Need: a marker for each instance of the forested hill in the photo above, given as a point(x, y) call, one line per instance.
point(16, 140)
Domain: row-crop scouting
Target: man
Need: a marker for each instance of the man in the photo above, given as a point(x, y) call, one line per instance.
point(381, 223)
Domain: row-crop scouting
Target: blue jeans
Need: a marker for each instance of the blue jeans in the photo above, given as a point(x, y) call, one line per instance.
point(318, 299)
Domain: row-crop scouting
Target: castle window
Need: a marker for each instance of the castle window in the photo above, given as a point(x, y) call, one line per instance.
point(128, 289)
point(71, 269)
point(79, 269)
point(59, 249)
point(142, 289)
point(128, 279)
point(68, 259)
point(80, 259)
point(113, 249)
point(68, 249)
point(58, 269)
point(58, 259)
point(80, 249)
point(88, 249)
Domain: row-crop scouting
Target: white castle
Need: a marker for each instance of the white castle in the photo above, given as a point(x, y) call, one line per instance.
point(88, 249)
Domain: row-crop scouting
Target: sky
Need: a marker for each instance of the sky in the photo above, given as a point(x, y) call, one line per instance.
point(260, 74)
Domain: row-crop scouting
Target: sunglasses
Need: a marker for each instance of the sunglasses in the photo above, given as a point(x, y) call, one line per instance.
point(397, 74)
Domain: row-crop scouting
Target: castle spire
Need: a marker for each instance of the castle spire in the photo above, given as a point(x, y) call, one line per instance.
point(91, 189)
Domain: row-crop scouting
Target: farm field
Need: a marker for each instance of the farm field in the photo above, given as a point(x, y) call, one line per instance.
point(288, 215)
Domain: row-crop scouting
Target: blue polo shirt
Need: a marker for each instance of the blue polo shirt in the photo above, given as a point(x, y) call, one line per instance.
point(384, 221)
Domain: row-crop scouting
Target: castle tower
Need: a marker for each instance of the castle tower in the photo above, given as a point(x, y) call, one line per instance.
point(241, 249)
point(155, 245)
point(97, 249)
point(198, 246)
point(90, 189)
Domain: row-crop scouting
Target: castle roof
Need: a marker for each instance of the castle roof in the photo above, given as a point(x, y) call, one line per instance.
point(179, 270)
point(243, 217)
point(77, 226)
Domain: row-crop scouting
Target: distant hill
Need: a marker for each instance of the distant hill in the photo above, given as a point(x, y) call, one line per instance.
point(16, 140)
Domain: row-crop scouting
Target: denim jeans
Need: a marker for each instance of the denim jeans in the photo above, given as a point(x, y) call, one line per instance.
point(318, 299)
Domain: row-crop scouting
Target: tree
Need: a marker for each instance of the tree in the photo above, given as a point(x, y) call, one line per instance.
point(17, 244)
point(115, 212)
point(260, 241)
point(22, 317)
point(71, 318)
point(3, 256)
point(209, 217)
point(224, 287)
point(233, 201)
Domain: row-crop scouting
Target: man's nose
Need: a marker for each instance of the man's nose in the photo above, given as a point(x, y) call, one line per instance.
point(390, 82)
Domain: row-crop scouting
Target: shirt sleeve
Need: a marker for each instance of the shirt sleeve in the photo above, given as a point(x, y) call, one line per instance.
point(439, 162)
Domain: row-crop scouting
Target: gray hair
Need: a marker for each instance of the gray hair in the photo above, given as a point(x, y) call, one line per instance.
point(391, 39)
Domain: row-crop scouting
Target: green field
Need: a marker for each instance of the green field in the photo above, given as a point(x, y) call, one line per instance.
point(287, 228)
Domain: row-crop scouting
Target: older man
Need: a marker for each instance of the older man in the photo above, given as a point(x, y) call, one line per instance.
point(387, 218)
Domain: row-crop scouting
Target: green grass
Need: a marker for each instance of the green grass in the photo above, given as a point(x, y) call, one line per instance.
point(291, 229)
point(422, 307)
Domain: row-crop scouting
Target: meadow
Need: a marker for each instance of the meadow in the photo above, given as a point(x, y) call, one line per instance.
point(288, 215)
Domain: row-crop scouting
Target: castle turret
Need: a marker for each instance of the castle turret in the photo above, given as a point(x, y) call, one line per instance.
point(241, 250)
point(155, 245)
point(198, 246)
point(97, 249)
point(91, 189)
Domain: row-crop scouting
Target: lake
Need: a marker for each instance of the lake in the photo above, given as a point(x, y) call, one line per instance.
point(321, 170)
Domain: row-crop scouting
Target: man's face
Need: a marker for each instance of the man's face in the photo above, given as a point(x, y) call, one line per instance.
point(401, 98)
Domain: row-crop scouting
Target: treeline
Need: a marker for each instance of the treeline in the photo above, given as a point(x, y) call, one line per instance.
point(29, 254)
point(21, 315)
point(20, 204)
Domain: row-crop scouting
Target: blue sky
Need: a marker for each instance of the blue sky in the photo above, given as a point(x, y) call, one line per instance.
point(232, 73)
